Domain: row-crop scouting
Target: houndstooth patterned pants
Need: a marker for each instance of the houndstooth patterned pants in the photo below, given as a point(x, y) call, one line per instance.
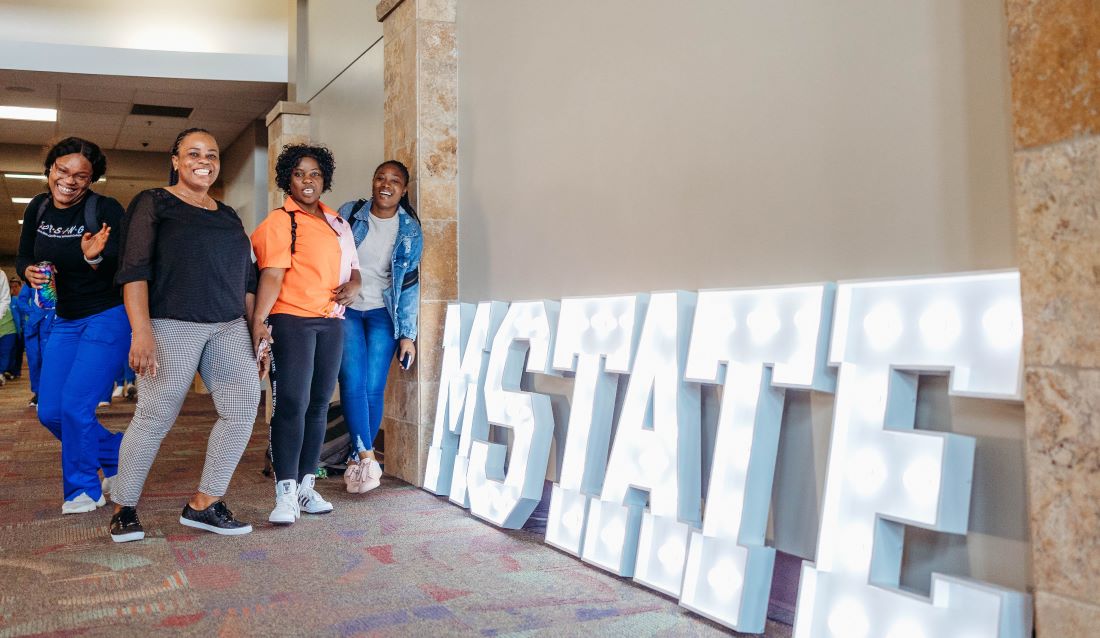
point(222, 355)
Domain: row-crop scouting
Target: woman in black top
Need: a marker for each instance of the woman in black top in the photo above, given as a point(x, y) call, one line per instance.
point(74, 229)
point(189, 284)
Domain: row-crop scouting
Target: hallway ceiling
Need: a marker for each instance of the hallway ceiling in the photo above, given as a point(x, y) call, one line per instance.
point(98, 108)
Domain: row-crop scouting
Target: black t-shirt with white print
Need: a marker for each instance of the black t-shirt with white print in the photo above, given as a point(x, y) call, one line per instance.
point(82, 291)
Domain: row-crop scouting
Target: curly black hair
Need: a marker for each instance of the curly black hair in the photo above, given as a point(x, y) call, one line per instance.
point(71, 145)
point(292, 154)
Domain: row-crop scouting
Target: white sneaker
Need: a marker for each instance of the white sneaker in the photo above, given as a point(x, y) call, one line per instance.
point(82, 503)
point(286, 503)
point(309, 501)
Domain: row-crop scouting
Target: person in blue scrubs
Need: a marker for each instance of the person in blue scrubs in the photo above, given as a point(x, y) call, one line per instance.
point(91, 334)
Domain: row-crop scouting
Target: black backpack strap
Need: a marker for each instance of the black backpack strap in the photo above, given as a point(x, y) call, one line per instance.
point(91, 213)
point(293, 229)
point(42, 200)
point(410, 279)
point(359, 203)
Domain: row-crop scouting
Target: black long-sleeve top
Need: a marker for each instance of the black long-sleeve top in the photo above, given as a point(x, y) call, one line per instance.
point(82, 291)
point(198, 262)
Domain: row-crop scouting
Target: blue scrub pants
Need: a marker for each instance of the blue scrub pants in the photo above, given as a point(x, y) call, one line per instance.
point(81, 358)
point(36, 333)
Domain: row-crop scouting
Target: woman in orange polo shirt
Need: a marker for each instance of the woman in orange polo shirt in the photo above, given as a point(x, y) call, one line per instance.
point(309, 270)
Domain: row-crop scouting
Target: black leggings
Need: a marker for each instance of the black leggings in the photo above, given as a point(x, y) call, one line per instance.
point(306, 352)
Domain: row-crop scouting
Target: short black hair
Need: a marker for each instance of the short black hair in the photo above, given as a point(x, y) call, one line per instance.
point(292, 154)
point(70, 145)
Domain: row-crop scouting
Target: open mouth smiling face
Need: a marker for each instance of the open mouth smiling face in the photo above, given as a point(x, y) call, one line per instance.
point(69, 178)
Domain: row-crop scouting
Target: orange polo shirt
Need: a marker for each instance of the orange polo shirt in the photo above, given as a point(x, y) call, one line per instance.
point(321, 259)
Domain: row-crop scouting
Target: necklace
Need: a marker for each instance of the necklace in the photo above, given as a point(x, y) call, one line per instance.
point(200, 202)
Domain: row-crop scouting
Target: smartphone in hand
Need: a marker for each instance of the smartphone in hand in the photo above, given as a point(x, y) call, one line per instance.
point(406, 361)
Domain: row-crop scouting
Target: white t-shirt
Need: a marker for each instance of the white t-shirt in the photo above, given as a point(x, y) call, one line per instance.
point(375, 259)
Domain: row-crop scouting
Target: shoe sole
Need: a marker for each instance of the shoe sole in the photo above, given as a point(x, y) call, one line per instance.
point(237, 531)
point(125, 538)
point(320, 511)
point(83, 509)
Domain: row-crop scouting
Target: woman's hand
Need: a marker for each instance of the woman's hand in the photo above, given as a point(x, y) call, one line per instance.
point(346, 293)
point(143, 353)
point(35, 277)
point(261, 346)
point(93, 245)
point(261, 337)
point(406, 347)
point(263, 364)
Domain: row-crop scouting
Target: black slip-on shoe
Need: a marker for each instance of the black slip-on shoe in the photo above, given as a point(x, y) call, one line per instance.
point(217, 518)
point(125, 526)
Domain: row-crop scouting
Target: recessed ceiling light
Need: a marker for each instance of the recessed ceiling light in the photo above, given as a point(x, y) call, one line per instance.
point(25, 176)
point(21, 200)
point(20, 222)
point(28, 113)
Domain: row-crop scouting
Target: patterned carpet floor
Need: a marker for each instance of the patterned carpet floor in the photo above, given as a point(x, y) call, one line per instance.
point(395, 562)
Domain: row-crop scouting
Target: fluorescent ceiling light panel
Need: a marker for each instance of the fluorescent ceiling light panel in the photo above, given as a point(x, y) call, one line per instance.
point(21, 200)
point(28, 113)
point(24, 176)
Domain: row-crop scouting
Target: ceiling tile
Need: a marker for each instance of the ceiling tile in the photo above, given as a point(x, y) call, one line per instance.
point(94, 106)
point(160, 98)
point(107, 91)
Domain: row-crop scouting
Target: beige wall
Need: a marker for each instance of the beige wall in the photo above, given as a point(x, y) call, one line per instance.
point(343, 86)
point(635, 145)
point(244, 175)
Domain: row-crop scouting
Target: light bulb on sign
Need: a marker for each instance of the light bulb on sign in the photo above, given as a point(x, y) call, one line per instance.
point(883, 326)
point(722, 575)
point(1003, 325)
point(573, 520)
point(940, 325)
point(671, 554)
point(603, 322)
point(922, 480)
point(867, 471)
point(763, 324)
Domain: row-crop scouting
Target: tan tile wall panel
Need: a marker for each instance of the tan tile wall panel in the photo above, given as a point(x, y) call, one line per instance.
point(1054, 52)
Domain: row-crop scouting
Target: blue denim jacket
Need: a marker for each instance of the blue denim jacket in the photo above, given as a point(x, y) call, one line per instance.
point(402, 299)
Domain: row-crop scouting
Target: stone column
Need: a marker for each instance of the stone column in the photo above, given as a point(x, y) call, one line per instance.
point(421, 71)
point(287, 123)
point(1054, 49)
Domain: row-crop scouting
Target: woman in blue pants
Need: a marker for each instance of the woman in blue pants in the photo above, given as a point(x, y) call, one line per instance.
point(382, 319)
point(75, 230)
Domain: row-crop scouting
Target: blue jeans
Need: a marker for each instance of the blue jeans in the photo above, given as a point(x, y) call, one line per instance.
point(368, 348)
point(80, 360)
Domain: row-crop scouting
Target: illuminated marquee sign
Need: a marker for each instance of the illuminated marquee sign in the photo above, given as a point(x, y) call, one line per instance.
point(633, 504)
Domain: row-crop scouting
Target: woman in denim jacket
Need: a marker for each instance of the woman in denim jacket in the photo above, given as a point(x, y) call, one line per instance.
point(382, 319)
